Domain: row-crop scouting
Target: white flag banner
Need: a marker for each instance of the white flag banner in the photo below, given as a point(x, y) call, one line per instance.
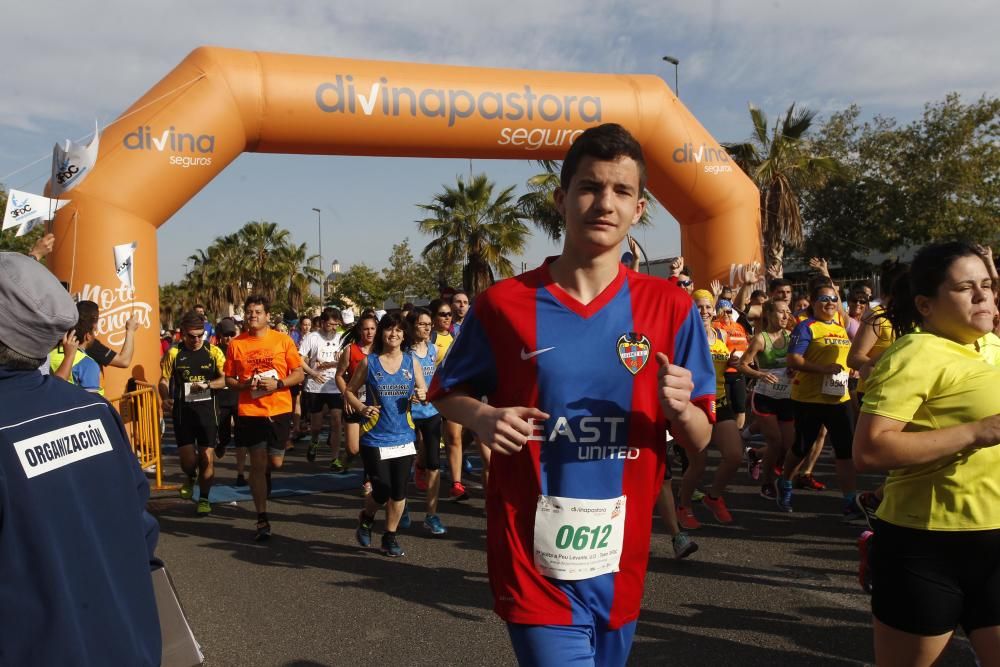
point(24, 206)
point(28, 225)
point(124, 255)
point(71, 163)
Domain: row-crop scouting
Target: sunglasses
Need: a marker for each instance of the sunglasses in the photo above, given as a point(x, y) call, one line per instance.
point(685, 283)
point(859, 299)
point(443, 314)
point(826, 298)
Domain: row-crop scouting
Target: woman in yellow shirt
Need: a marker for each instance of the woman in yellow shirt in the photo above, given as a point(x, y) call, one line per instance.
point(931, 417)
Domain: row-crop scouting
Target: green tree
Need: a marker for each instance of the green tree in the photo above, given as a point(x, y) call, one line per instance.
point(434, 274)
point(401, 276)
point(539, 204)
point(781, 161)
point(363, 286)
point(934, 179)
point(475, 230)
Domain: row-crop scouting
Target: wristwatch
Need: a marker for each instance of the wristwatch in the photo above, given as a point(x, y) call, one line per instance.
point(281, 384)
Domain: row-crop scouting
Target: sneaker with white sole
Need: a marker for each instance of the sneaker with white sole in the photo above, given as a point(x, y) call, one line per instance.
point(683, 545)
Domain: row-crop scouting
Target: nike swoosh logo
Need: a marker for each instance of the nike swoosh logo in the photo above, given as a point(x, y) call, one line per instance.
point(528, 355)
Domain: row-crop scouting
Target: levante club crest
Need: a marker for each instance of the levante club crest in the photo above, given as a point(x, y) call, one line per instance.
point(633, 350)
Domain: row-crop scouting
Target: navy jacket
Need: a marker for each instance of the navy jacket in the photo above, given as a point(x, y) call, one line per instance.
point(76, 542)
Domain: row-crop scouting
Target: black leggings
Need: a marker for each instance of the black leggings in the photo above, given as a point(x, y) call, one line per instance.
point(429, 429)
point(809, 417)
point(389, 478)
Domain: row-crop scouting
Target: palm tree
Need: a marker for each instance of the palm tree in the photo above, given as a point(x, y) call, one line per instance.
point(539, 204)
point(475, 230)
point(302, 275)
point(781, 162)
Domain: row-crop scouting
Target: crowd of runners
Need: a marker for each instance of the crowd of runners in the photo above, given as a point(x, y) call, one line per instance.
point(585, 386)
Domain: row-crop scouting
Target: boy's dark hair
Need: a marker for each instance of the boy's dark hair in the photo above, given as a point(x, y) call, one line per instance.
point(87, 323)
point(192, 320)
point(607, 142)
point(257, 300)
point(778, 282)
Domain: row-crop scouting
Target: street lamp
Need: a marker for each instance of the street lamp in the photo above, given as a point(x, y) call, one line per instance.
point(673, 61)
point(322, 278)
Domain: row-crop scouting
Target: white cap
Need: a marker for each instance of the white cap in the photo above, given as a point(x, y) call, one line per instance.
point(347, 316)
point(379, 314)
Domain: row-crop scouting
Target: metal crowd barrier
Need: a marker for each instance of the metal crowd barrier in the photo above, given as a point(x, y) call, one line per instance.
point(140, 411)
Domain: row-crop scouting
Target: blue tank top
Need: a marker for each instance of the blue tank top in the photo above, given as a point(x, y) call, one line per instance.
point(391, 392)
point(427, 364)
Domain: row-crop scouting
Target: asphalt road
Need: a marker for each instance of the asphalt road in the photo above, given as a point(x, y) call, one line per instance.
point(771, 589)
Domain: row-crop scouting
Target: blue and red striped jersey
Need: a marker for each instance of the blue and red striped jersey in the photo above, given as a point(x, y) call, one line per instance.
point(592, 368)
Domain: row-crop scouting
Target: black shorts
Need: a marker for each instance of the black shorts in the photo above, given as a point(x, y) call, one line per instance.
point(724, 410)
point(809, 417)
point(226, 416)
point(429, 429)
point(390, 477)
point(195, 425)
point(765, 406)
point(928, 582)
point(261, 432)
point(736, 391)
point(322, 400)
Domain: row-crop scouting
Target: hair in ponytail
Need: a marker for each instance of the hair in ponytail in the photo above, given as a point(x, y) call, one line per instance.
point(925, 276)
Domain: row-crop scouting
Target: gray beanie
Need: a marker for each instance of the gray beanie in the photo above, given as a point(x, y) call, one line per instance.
point(36, 309)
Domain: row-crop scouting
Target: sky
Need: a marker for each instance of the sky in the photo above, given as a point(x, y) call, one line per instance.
point(84, 61)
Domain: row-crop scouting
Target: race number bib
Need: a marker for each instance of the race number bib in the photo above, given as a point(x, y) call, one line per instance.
point(782, 389)
point(328, 353)
point(835, 384)
point(196, 396)
point(576, 538)
point(397, 451)
point(257, 393)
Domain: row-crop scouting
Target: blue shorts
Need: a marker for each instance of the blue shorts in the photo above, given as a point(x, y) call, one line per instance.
point(572, 645)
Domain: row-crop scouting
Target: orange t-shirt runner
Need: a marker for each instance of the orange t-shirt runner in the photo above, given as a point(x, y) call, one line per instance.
point(272, 353)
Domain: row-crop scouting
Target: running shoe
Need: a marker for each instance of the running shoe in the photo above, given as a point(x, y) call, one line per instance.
point(187, 489)
point(687, 519)
point(311, 452)
point(777, 471)
point(754, 464)
point(390, 547)
point(783, 494)
point(684, 546)
point(204, 507)
point(241, 480)
point(853, 514)
point(220, 451)
point(404, 519)
point(364, 532)
point(718, 508)
point(420, 478)
point(697, 496)
point(868, 503)
point(807, 481)
point(366, 488)
point(466, 464)
point(432, 522)
point(338, 466)
point(767, 491)
point(263, 529)
point(458, 491)
point(864, 560)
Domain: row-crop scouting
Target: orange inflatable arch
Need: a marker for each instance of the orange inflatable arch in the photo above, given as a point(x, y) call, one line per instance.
point(218, 103)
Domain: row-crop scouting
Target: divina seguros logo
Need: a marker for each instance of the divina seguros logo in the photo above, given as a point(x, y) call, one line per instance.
point(145, 139)
point(704, 153)
point(344, 95)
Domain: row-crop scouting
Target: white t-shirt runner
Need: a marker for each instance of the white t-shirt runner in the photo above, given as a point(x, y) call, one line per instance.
point(318, 349)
